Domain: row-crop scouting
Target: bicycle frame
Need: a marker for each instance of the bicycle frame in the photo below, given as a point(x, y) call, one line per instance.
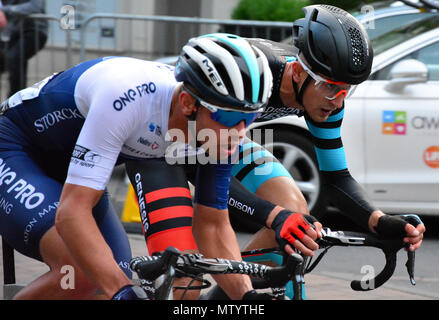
point(289, 274)
point(294, 289)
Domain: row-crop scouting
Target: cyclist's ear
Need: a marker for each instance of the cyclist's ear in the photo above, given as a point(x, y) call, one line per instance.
point(187, 104)
point(298, 72)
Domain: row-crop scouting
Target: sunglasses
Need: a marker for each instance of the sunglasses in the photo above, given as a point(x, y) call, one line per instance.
point(330, 89)
point(227, 116)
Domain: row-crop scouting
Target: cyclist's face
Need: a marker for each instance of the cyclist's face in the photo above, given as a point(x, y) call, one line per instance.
point(216, 137)
point(315, 100)
point(318, 107)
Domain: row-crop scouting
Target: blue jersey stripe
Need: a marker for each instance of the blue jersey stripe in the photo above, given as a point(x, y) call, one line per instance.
point(335, 117)
point(331, 159)
point(324, 133)
point(262, 173)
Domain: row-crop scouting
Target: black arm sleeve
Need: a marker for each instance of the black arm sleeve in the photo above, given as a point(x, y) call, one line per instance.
point(244, 203)
point(346, 194)
point(343, 191)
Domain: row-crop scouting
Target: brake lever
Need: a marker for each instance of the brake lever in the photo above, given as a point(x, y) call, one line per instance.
point(339, 238)
point(410, 265)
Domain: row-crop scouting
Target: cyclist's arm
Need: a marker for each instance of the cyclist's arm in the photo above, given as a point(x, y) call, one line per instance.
point(77, 227)
point(343, 190)
point(97, 148)
point(211, 226)
point(216, 239)
point(265, 212)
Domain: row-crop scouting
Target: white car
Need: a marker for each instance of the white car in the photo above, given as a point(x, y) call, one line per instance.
point(390, 130)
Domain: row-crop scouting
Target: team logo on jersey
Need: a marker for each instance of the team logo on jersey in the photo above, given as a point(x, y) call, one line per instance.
point(153, 145)
point(24, 192)
point(155, 128)
point(53, 118)
point(394, 122)
point(271, 113)
point(158, 131)
point(132, 94)
point(85, 157)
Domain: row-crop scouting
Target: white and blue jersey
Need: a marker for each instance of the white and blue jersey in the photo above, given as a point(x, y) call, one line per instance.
point(75, 126)
point(97, 113)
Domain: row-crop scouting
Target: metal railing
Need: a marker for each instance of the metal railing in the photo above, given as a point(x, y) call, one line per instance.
point(177, 30)
point(146, 37)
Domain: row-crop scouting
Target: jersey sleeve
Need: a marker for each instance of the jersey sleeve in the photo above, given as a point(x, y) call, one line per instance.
point(343, 190)
point(212, 182)
point(101, 138)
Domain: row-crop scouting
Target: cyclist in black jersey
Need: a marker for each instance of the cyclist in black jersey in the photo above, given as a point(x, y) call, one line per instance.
point(331, 54)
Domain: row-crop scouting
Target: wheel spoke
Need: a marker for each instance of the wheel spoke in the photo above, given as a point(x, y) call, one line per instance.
point(291, 156)
point(307, 187)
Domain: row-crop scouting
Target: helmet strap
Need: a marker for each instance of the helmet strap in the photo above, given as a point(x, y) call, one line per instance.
point(192, 116)
point(299, 93)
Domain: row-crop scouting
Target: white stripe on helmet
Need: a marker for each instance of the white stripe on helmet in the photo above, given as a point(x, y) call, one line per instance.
point(208, 68)
point(227, 60)
point(268, 77)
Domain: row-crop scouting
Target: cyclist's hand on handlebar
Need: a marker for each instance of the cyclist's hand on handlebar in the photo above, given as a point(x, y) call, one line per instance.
point(409, 227)
point(130, 292)
point(296, 230)
point(415, 229)
point(254, 295)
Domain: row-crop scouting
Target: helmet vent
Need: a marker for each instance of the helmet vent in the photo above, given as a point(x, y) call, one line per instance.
point(356, 40)
point(358, 49)
point(340, 13)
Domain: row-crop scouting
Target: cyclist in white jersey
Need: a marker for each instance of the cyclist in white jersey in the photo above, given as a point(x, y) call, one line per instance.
point(61, 138)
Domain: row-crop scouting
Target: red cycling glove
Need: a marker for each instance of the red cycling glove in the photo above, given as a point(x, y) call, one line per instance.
point(289, 226)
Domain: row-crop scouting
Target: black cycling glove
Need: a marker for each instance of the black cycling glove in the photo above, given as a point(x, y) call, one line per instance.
point(254, 295)
point(394, 226)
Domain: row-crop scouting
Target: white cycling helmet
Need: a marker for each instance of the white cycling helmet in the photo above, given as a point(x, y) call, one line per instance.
point(225, 69)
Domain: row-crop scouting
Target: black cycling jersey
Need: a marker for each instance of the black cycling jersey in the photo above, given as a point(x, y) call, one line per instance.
point(341, 187)
point(278, 54)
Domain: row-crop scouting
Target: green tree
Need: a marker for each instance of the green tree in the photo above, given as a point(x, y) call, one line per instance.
point(287, 10)
point(270, 10)
point(346, 5)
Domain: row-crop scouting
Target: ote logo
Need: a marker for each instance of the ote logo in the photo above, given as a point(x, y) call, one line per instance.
point(394, 122)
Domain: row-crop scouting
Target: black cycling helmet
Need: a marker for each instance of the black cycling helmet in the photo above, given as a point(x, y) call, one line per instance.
point(334, 44)
point(226, 69)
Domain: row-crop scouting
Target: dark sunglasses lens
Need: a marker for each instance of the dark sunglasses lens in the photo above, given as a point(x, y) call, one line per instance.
point(232, 118)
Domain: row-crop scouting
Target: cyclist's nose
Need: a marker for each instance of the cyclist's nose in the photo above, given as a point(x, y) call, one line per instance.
point(240, 126)
point(239, 130)
point(338, 101)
